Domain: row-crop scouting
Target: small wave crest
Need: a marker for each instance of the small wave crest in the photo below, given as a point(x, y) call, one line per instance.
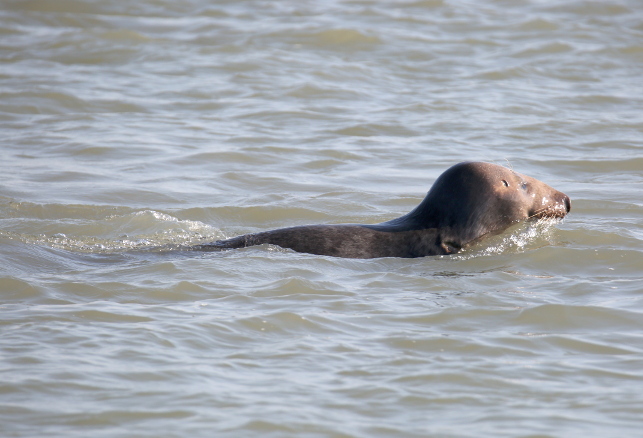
point(147, 229)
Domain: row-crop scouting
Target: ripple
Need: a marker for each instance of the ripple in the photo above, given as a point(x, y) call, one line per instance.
point(18, 290)
point(549, 318)
point(336, 39)
point(131, 131)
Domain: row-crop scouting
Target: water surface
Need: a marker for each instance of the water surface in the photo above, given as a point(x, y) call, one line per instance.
point(132, 131)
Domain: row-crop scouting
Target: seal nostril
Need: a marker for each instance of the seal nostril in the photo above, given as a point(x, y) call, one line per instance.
point(568, 204)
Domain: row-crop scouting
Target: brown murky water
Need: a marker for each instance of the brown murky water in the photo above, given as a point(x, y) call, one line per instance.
point(131, 131)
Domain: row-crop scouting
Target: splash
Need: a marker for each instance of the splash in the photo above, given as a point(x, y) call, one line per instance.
point(527, 235)
point(141, 230)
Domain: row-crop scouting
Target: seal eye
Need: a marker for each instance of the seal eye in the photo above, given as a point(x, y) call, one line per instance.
point(505, 183)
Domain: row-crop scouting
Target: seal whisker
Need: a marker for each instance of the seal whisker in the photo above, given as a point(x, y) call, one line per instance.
point(556, 210)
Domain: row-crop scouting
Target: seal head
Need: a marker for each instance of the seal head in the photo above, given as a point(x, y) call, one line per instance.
point(473, 199)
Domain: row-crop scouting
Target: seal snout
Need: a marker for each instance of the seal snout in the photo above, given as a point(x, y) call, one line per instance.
point(562, 206)
point(555, 205)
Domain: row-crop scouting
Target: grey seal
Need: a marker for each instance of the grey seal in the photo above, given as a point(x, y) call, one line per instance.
point(467, 202)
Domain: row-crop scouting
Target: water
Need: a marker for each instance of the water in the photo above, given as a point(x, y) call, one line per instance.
point(131, 131)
